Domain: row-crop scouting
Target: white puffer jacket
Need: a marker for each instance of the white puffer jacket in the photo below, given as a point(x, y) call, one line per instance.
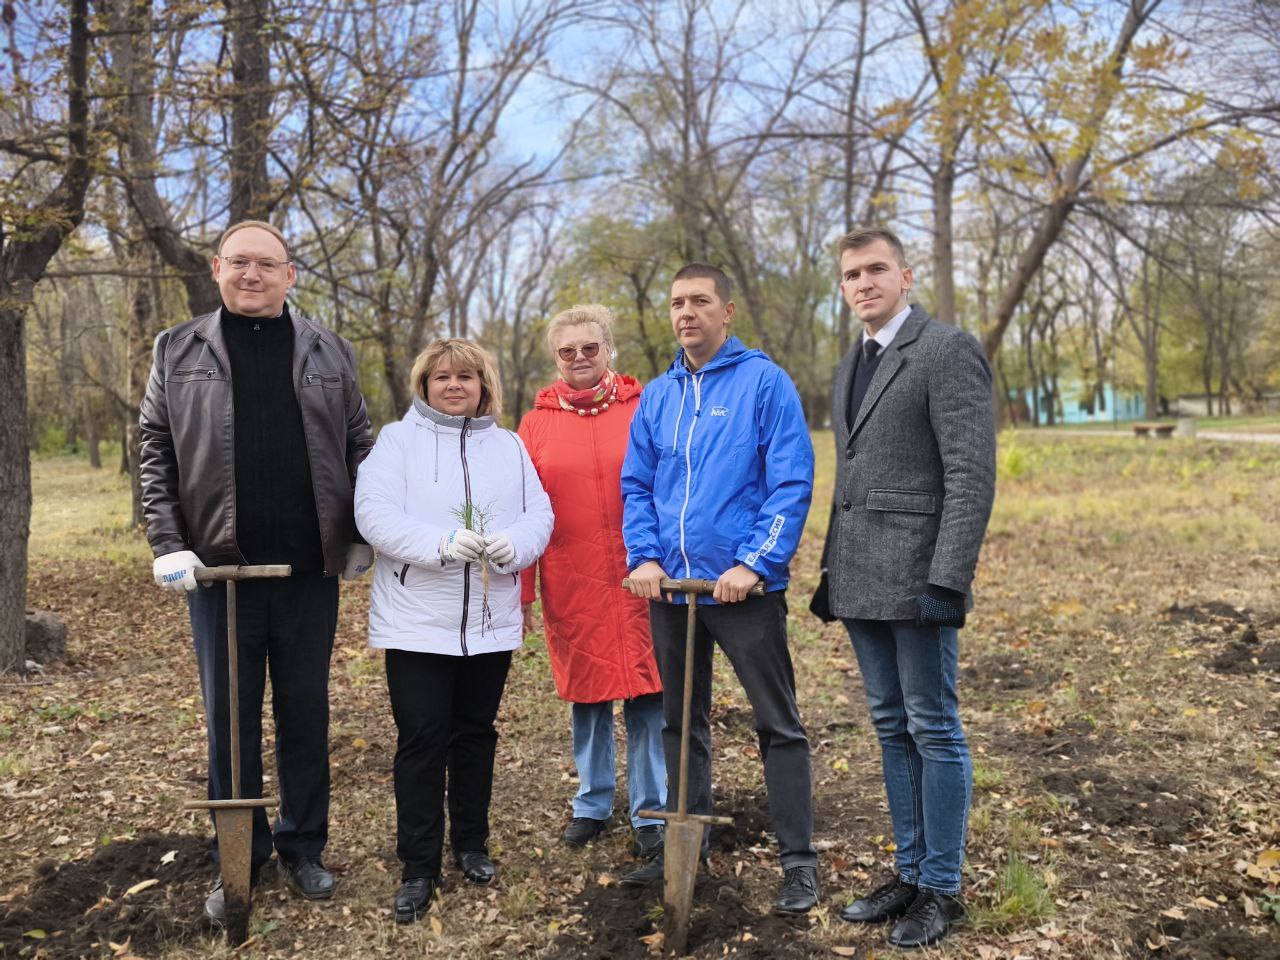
point(409, 494)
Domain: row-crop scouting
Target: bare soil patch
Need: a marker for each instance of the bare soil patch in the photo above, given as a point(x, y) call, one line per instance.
point(1164, 807)
point(1204, 936)
point(76, 909)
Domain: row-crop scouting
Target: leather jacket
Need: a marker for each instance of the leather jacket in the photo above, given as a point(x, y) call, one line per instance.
point(187, 448)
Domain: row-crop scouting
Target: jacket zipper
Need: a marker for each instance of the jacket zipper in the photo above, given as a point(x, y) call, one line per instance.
point(688, 464)
point(466, 567)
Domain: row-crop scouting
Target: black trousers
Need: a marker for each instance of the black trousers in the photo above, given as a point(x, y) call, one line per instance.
point(444, 708)
point(753, 635)
point(285, 627)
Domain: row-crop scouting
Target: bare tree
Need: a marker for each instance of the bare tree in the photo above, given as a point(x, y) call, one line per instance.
point(28, 242)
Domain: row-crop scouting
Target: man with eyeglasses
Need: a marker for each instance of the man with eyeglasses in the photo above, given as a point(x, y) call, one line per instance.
point(252, 428)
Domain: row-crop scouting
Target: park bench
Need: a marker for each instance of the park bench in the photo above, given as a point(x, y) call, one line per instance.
point(1153, 429)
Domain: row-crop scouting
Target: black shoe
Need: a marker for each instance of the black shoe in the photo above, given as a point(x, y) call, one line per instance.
point(799, 893)
point(651, 872)
point(414, 897)
point(215, 905)
point(887, 902)
point(582, 830)
point(475, 865)
point(308, 878)
point(927, 921)
point(647, 841)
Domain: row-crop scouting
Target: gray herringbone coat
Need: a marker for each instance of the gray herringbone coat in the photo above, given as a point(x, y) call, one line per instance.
point(915, 477)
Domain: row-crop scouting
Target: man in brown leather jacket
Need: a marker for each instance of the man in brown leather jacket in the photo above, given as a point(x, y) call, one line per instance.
point(253, 426)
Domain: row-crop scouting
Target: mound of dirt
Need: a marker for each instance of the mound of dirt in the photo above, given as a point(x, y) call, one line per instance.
point(618, 920)
point(1245, 657)
point(1007, 672)
point(1209, 612)
point(1163, 806)
point(1078, 740)
point(81, 907)
point(1203, 936)
point(751, 825)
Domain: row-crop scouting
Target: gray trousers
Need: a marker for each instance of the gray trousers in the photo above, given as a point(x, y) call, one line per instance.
point(753, 635)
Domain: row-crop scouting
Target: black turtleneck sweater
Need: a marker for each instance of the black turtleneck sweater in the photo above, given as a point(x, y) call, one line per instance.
point(276, 518)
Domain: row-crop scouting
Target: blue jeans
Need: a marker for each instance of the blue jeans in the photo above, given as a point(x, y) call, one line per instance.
point(910, 677)
point(593, 752)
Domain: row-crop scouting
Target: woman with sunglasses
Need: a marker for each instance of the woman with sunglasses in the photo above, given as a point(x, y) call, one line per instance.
point(597, 634)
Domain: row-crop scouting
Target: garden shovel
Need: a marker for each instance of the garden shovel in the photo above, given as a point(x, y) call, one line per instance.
point(233, 819)
point(683, 837)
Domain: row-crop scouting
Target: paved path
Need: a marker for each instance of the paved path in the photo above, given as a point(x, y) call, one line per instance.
point(1200, 435)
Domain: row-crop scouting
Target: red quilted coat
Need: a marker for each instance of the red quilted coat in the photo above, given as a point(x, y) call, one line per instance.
point(597, 633)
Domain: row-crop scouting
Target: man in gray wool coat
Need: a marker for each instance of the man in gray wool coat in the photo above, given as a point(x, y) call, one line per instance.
point(915, 478)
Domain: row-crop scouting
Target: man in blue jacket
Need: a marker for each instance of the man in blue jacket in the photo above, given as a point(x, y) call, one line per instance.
point(716, 485)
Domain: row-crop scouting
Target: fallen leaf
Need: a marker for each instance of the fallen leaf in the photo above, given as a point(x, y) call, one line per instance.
point(169, 857)
point(845, 951)
point(1250, 906)
point(436, 926)
point(1268, 859)
point(1173, 913)
point(1204, 903)
point(605, 880)
point(35, 934)
point(139, 887)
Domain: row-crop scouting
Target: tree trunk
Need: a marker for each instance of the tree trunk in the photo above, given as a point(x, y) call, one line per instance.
point(94, 438)
point(22, 263)
point(15, 480)
point(944, 185)
point(250, 110)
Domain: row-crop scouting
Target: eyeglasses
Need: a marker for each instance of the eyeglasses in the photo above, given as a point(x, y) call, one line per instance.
point(266, 266)
point(588, 351)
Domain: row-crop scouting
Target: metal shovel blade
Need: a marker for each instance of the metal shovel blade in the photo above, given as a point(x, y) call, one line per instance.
point(681, 847)
point(235, 850)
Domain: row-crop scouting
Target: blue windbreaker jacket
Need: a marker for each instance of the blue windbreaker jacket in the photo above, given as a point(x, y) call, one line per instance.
point(719, 469)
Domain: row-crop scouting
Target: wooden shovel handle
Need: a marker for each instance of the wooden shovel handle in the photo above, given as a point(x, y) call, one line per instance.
point(696, 586)
point(233, 572)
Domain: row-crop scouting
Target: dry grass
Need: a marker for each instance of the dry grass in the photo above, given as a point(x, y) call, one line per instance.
point(1081, 685)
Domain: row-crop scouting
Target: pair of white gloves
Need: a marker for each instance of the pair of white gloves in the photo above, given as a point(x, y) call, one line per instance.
point(467, 546)
point(177, 571)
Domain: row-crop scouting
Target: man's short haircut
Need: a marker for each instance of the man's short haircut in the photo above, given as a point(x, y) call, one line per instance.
point(261, 225)
point(578, 315)
point(462, 355)
point(704, 271)
point(864, 236)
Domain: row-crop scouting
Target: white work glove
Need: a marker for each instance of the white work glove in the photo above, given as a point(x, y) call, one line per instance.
point(359, 560)
point(499, 549)
point(462, 544)
point(176, 571)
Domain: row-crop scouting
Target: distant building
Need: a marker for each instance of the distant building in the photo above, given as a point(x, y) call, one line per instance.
point(1115, 406)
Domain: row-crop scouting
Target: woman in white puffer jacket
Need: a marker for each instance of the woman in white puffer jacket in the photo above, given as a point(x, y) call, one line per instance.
point(454, 507)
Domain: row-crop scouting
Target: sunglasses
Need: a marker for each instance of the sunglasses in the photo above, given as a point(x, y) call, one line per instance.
point(588, 350)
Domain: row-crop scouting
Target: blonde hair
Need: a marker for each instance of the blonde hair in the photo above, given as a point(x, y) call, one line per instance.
point(261, 225)
point(461, 355)
point(579, 314)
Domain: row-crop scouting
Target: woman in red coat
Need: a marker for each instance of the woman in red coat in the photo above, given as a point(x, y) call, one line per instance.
point(597, 633)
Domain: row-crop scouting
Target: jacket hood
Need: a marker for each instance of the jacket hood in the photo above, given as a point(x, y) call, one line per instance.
point(422, 412)
point(628, 387)
point(732, 351)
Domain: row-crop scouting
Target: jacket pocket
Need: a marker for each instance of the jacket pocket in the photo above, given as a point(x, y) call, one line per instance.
point(189, 374)
point(326, 380)
point(901, 501)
